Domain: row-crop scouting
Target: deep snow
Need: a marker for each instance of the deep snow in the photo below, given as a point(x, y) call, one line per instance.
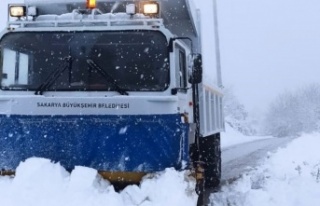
point(289, 177)
point(40, 182)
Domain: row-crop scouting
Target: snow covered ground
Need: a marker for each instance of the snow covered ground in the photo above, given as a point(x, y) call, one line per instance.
point(39, 182)
point(232, 137)
point(289, 177)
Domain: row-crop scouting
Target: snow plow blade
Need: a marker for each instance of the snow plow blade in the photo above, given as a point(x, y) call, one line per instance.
point(121, 149)
point(123, 178)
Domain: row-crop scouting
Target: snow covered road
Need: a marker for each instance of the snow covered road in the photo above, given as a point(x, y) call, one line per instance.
point(238, 159)
point(288, 177)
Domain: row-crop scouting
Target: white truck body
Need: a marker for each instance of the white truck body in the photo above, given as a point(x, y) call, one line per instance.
point(112, 87)
point(181, 18)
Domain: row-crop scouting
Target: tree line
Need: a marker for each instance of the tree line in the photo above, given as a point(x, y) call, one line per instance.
point(293, 113)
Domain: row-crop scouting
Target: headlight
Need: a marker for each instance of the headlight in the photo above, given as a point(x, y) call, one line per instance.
point(17, 11)
point(150, 8)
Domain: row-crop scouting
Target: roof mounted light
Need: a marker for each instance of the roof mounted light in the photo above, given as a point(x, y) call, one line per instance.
point(17, 11)
point(91, 4)
point(150, 8)
point(32, 11)
point(131, 9)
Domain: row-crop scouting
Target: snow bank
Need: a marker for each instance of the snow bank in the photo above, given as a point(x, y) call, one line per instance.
point(290, 177)
point(40, 182)
point(232, 137)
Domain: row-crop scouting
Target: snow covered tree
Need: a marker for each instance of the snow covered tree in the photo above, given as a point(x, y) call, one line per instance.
point(293, 113)
point(235, 113)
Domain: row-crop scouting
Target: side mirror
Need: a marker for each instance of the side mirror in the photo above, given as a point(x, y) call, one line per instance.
point(196, 77)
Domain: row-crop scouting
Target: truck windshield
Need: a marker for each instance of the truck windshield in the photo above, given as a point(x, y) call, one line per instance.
point(135, 60)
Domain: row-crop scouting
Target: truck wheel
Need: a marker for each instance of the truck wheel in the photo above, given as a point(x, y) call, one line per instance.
point(204, 197)
point(210, 154)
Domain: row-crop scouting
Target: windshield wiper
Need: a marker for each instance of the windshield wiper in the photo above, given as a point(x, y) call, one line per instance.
point(107, 76)
point(54, 76)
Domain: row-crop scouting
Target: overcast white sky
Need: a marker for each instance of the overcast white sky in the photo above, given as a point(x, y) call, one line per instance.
point(268, 46)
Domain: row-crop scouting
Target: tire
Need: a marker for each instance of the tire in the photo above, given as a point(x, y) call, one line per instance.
point(204, 197)
point(210, 154)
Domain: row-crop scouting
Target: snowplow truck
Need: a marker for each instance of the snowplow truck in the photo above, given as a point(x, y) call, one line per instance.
point(123, 87)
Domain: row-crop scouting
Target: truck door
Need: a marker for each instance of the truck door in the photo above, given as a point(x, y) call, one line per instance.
point(182, 67)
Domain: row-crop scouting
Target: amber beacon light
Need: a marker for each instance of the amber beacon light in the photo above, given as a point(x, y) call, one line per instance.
point(91, 4)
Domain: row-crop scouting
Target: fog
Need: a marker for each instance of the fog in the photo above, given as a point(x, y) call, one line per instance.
point(268, 47)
